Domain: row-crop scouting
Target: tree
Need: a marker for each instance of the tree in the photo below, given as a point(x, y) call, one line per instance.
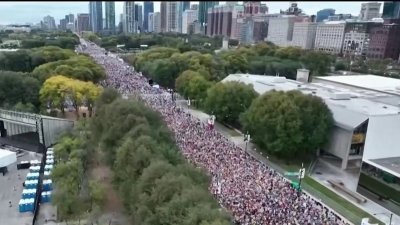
point(182, 82)
point(318, 63)
point(58, 89)
point(288, 124)
point(228, 100)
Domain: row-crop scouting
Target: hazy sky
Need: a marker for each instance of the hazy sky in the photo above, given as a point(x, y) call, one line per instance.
point(33, 12)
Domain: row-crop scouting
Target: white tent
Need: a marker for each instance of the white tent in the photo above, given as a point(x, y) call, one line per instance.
point(7, 157)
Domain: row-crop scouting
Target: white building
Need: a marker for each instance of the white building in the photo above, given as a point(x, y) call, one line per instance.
point(172, 17)
point(71, 27)
point(280, 30)
point(304, 35)
point(129, 22)
point(237, 13)
point(17, 28)
point(329, 37)
point(49, 23)
point(369, 10)
point(188, 16)
point(157, 22)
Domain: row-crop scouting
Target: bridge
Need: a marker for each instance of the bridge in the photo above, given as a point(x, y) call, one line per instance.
point(32, 132)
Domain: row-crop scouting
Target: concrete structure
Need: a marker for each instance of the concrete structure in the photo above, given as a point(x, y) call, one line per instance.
point(110, 17)
point(96, 16)
point(304, 35)
point(148, 7)
point(252, 8)
point(223, 20)
point(49, 23)
point(188, 17)
point(356, 38)
point(329, 37)
point(357, 113)
point(171, 17)
point(82, 22)
point(71, 27)
point(163, 16)
point(292, 10)
point(194, 7)
point(17, 28)
point(129, 23)
point(324, 14)
point(391, 10)
point(384, 42)
point(194, 28)
point(246, 30)
point(203, 13)
point(369, 10)
point(47, 128)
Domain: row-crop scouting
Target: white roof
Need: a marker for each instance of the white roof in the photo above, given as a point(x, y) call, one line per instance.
point(4, 153)
point(348, 114)
point(372, 82)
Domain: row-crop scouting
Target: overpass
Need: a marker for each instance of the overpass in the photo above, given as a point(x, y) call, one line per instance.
point(32, 132)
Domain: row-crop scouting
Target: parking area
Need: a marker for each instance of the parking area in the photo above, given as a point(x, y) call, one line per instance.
point(11, 187)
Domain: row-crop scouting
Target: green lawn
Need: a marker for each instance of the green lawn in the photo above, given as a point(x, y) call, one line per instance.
point(337, 203)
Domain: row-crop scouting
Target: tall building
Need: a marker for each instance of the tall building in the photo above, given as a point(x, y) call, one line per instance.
point(369, 10)
point(260, 27)
point(356, 38)
point(264, 9)
point(280, 29)
point(129, 23)
point(391, 10)
point(339, 17)
point(110, 17)
point(148, 7)
point(150, 22)
point(182, 7)
point(121, 24)
point(63, 24)
point(69, 18)
point(96, 16)
point(384, 42)
point(304, 35)
point(163, 17)
point(49, 23)
point(157, 22)
point(324, 14)
point(203, 12)
point(292, 10)
point(188, 17)
point(172, 17)
point(329, 37)
point(82, 22)
point(139, 17)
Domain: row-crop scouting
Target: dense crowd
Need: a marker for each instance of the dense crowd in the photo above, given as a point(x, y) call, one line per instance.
point(254, 193)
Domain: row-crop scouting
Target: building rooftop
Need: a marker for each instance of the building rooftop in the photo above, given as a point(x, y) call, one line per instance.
point(372, 82)
point(349, 107)
point(391, 164)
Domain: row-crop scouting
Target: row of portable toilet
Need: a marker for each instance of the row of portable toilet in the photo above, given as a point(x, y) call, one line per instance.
point(47, 182)
point(26, 205)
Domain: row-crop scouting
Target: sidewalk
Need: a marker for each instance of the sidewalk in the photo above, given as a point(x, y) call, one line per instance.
point(251, 149)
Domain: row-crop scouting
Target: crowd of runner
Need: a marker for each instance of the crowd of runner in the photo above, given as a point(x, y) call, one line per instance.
point(253, 192)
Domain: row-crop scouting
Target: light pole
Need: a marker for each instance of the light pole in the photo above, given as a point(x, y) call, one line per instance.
point(391, 216)
point(302, 173)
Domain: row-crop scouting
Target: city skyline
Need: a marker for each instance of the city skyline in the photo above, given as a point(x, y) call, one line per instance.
point(33, 12)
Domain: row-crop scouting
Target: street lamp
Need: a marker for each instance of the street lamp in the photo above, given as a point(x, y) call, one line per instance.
point(391, 216)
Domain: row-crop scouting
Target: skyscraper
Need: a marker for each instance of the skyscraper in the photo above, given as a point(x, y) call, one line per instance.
point(69, 18)
point(188, 17)
point(369, 10)
point(139, 17)
point(171, 17)
point(324, 14)
point(163, 17)
point(49, 23)
point(96, 16)
point(203, 11)
point(110, 17)
point(82, 22)
point(148, 7)
point(182, 7)
point(391, 10)
point(157, 22)
point(129, 23)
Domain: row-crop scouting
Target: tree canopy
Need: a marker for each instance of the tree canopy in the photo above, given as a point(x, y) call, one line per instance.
point(288, 124)
point(228, 100)
point(79, 67)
